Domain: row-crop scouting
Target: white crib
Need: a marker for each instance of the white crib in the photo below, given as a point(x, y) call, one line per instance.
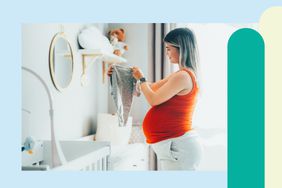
point(80, 156)
point(63, 155)
point(127, 157)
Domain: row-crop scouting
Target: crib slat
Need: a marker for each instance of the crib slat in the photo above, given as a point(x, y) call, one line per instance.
point(108, 162)
point(98, 164)
point(87, 168)
point(93, 166)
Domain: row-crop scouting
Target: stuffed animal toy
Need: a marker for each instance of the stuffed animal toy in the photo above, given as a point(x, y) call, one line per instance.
point(117, 38)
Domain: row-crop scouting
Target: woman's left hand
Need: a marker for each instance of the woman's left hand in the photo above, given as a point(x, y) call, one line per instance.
point(137, 73)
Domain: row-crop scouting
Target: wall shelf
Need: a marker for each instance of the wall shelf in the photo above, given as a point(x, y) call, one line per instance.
point(107, 58)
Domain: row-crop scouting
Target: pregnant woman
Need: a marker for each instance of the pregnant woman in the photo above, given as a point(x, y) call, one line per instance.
point(168, 124)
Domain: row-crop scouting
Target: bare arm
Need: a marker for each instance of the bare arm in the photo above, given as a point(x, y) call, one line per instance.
point(154, 86)
point(157, 85)
point(176, 83)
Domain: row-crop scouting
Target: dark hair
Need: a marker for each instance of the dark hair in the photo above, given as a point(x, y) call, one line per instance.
point(185, 41)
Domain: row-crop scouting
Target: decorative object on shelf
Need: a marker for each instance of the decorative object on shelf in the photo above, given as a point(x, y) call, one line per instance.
point(97, 48)
point(61, 61)
point(117, 38)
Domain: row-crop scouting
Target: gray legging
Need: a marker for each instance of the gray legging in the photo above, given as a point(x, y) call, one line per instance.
point(181, 153)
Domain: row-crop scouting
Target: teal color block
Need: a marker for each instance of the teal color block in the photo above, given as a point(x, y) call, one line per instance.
point(246, 110)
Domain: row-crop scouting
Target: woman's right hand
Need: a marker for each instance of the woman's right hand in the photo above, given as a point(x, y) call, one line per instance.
point(110, 71)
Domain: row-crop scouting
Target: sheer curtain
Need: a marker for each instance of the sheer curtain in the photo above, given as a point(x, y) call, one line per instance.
point(159, 66)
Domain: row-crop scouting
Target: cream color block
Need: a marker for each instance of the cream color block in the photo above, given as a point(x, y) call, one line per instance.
point(270, 27)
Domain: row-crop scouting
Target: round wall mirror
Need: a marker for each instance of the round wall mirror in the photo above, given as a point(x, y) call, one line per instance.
point(61, 61)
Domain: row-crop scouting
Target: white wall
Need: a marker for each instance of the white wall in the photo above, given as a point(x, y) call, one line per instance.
point(212, 40)
point(137, 55)
point(76, 107)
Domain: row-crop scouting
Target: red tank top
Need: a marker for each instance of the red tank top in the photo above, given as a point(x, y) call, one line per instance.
point(172, 118)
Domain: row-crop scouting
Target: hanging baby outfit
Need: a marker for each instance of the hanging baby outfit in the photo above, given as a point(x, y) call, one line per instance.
point(123, 86)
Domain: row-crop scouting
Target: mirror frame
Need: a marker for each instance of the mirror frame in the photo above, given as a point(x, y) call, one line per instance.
point(51, 62)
